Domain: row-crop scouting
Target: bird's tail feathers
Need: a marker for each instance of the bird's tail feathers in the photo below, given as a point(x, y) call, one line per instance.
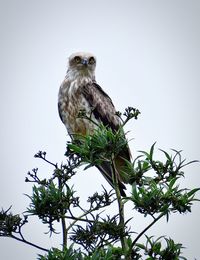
point(106, 171)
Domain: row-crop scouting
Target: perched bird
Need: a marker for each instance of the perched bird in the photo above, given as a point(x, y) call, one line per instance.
point(79, 91)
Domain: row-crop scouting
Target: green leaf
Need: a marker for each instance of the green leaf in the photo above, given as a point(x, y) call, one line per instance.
point(192, 192)
point(151, 152)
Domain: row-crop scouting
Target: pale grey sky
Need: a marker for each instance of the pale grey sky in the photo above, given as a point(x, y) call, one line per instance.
point(148, 56)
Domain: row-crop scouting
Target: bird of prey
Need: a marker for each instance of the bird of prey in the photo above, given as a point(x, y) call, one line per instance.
point(79, 91)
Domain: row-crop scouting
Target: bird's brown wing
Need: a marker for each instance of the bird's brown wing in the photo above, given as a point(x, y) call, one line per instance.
point(101, 104)
point(104, 111)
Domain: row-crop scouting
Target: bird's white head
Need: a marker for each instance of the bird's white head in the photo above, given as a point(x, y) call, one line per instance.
point(82, 64)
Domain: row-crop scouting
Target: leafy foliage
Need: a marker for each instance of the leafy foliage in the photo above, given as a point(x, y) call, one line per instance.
point(65, 254)
point(98, 233)
point(155, 192)
point(153, 249)
point(154, 184)
point(50, 203)
point(10, 223)
point(99, 147)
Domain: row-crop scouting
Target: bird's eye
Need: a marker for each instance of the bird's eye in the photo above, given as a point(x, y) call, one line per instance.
point(91, 60)
point(77, 59)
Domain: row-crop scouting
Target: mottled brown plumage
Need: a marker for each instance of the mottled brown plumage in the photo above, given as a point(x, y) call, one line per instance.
point(79, 91)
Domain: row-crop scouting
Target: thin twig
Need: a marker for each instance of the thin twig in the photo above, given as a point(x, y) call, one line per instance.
point(80, 218)
point(149, 226)
point(29, 243)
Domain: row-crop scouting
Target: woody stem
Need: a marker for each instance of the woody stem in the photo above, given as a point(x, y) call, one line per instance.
point(120, 206)
point(63, 221)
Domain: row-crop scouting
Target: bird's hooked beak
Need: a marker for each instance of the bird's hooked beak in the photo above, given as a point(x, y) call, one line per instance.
point(84, 62)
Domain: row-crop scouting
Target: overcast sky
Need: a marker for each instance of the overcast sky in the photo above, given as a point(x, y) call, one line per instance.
point(148, 57)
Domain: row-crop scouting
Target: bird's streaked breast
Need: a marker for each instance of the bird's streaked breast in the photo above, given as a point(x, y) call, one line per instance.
point(71, 101)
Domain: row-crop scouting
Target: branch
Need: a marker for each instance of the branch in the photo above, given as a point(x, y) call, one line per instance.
point(80, 218)
point(120, 206)
point(63, 219)
point(148, 227)
point(42, 155)
point(28, 243)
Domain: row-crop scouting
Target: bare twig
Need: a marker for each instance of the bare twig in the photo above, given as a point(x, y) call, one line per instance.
point(148, 227)
point(28, 243)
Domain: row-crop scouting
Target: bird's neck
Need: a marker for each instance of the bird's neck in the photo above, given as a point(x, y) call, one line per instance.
point(82, 77)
